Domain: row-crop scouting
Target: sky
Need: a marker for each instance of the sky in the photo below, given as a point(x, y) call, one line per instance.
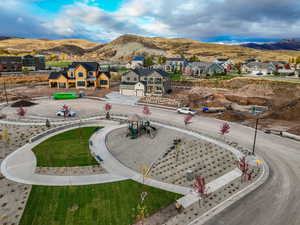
point(220, 21)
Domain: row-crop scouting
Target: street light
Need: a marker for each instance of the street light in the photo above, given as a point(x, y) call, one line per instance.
point(256, 112)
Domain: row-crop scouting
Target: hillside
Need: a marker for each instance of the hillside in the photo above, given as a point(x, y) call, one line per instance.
point(290, 44)
point(127, 46)
point(44, 46)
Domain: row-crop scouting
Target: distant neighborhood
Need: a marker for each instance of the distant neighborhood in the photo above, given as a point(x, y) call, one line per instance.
point(143, 76)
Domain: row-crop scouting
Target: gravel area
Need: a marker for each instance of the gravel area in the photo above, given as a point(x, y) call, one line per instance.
point(135, 153)
point(71, 171)
point(13, 196)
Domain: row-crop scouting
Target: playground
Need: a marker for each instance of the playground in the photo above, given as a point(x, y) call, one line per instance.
point(131, 145)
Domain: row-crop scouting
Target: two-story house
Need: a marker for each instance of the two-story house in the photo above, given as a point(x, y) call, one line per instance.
point(136, 62)
point(141, 82)
point(199, 69)
point(10, 63)
point(175, 64)
point(80, 75)
point(226, 63)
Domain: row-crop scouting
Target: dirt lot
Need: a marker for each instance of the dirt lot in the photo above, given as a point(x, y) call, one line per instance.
point(37, 90)
point(237, 96)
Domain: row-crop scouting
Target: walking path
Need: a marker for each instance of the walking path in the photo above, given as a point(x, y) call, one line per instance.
point(212, 186)
point(20, 166)
point(114, 166)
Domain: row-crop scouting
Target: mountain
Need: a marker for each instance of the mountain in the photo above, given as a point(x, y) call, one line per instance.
point(128, 46)
point(24, 45)
point(289, 44)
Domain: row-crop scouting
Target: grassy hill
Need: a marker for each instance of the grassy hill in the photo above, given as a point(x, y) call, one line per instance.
point(127, 46)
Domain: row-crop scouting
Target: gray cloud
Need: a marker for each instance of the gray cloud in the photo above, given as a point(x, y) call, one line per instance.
point(198, 19)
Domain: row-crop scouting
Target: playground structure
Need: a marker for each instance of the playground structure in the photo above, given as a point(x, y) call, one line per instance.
point(137, 127)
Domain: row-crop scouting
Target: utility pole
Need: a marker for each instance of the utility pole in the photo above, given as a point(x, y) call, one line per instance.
point(5, 92)
point(257, 119)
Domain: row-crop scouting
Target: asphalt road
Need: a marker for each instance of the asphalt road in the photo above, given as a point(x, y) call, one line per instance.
point(277, 202)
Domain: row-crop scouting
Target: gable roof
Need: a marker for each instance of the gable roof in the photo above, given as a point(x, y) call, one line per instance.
point(106, 73)
point(138, 58)
point(89, 66)
point(147, 72)
point(176, 59)
point(55, 75)
point(15, 59)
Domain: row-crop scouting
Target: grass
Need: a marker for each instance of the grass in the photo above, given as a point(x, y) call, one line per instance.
point(101, 204)
point(66, 149)
point(221, 77)
point(59, 64)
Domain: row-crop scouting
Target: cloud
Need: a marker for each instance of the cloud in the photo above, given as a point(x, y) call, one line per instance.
point(15, 21)
point(197, 19)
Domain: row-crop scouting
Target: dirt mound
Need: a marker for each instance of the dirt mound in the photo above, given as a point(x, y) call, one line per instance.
point(232, 116)
point(23, 103)
point(242, 100)
point(290, 111)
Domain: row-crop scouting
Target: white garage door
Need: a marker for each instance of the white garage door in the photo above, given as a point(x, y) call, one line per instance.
point(140, 93)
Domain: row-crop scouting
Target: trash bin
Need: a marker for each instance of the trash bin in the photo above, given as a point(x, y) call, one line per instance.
point(189, 175)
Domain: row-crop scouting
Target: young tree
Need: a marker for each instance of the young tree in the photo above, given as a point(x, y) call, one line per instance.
point(66, 109)
point(187, 119)
point(194, 58)
point(225, 129)
point(5, 137)
point(148, 61)
point(21, 111)
point(107, 109)
point(244, 167)
point(200, 187)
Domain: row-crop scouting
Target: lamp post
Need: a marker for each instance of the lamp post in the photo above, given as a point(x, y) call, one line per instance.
point(5, 92)
point(256, 112)
point(255, 135)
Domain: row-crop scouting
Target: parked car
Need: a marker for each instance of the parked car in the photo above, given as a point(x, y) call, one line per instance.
point(186, 110)
point(69, 113)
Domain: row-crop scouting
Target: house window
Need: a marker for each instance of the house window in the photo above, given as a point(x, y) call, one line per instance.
point(158, 80)
point(128, 78)
point(135, 79)
point(103, 82)
point(81, 83)
point(80, 74)
point(91, 73)
point(72, 74)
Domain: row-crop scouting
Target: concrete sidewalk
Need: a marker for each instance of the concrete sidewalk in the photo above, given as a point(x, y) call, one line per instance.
point(112, 165)
point(20, 167)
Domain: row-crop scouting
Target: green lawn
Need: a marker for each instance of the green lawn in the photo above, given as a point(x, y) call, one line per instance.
point(66, 149)
point(59, 64)
point(100, 204)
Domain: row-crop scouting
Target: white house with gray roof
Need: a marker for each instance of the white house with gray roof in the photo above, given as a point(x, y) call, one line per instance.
point(141, 82)
point(199, 69)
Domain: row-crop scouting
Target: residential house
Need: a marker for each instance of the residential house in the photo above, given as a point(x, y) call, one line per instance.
point(33, 63)
point(226, 63)
point(285, 69)
point(141, 82)
point(259, 68)
point(251, 60)
point(175, 64)
point(199, 69)
point(10, 64)
point(136, 62)
point(80, 75)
